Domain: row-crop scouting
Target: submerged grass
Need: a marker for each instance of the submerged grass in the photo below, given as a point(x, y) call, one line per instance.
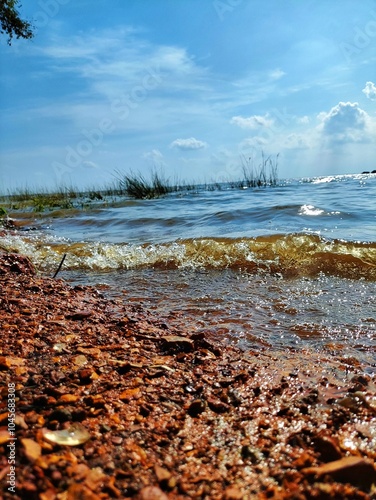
point(41, 200)
point(38, 200)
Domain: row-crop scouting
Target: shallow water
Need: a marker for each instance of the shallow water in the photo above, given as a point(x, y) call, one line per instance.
point(334, 207)
point(284, 268)
point(324, 314)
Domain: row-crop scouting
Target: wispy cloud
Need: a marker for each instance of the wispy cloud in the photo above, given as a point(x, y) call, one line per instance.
point(252, 122)
point(276, 74)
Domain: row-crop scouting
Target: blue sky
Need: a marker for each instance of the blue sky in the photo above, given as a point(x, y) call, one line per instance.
point(189, 87)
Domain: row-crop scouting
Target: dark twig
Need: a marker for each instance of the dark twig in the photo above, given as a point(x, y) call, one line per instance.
point(60, 265)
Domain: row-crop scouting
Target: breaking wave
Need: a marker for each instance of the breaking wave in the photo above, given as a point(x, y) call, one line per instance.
point(290, 255)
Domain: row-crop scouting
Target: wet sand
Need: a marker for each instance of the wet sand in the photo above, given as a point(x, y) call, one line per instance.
point(155, 412)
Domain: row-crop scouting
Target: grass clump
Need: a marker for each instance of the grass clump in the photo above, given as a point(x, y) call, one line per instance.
point(137, 186)
point(264, 174)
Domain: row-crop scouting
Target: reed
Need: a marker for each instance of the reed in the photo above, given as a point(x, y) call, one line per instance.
point(264, 174)
point(139, 187)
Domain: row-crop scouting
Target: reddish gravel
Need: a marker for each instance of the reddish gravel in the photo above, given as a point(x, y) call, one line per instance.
point(167, 414)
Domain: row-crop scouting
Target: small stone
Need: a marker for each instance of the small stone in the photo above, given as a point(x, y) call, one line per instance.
point(4, 436)
point(105, 428)
point(95, 477)
point(129, 394)
point(116, 440)
point(90, 351)
point(29, 488)
point(49, 494)
point(251, 453)
point(80, 492)
point(32, 449)
point(151, 493)
point(360, 382)
point(163, 475)
point(57, 376)
point(350, 402)
point(80, 360)
point(233, 493)
point(79, 315)
point(217, 405)
point(61, 415)
point(4, 363)
point(196, 407)
point(85, 375)
point(327, 447)
point(68, 398)
point(20, 422)
point(177, 343)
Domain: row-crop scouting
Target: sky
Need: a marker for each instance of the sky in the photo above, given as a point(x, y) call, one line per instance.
point(194, 89)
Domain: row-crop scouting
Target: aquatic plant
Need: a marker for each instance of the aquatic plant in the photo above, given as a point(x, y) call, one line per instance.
point(138, 186)
point(264, 174)
point(37, 199)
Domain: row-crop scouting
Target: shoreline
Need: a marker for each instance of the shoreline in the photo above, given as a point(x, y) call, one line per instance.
point(164, 413)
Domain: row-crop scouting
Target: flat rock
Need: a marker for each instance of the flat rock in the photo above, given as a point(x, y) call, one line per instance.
point(178, 343)
point(354, 470)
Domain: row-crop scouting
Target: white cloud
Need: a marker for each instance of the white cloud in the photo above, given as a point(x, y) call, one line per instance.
point(370, 91)
point(188, 144)
point(276, 74)
point(154, 156)
point(252, 122)
point(304, 120)
point(346, 122)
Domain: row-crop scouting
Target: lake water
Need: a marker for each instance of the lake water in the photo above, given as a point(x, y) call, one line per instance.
point(284, 268)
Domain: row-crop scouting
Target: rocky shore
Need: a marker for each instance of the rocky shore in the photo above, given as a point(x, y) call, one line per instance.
point(99, 400)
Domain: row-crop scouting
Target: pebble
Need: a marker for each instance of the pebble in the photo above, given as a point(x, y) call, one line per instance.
point(196, 407)
point(32, 449)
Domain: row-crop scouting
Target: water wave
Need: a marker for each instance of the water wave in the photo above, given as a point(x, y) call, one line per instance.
point(290, 255)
